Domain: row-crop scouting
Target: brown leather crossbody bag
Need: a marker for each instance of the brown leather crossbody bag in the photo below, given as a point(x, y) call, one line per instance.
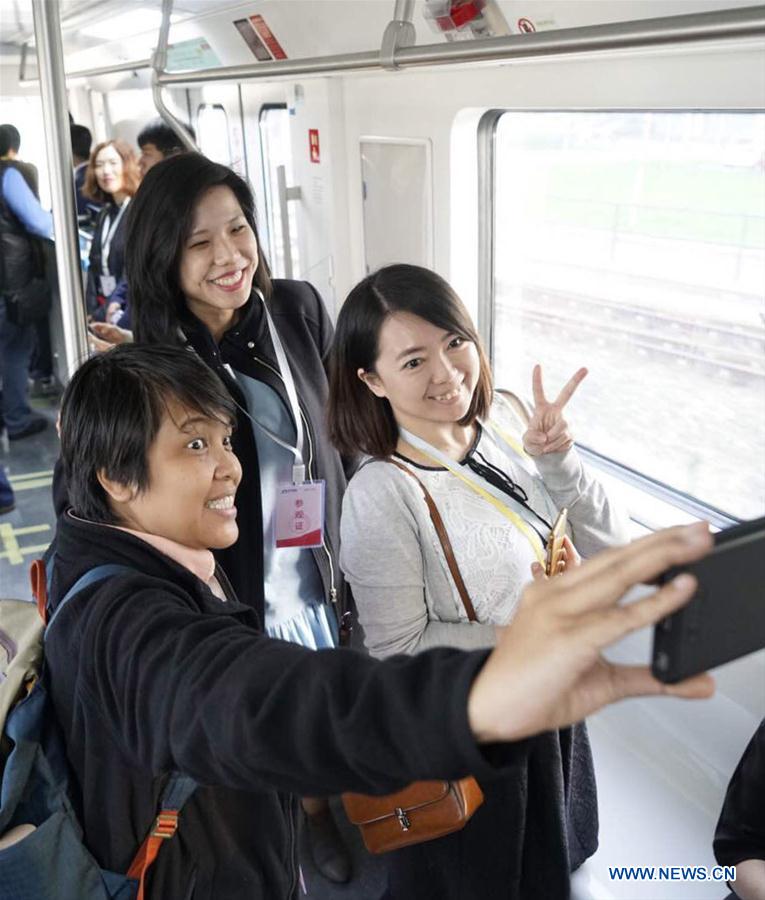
point(424, 810)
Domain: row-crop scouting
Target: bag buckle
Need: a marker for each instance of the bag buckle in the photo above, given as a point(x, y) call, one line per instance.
point(403, 819)
point(166, 824)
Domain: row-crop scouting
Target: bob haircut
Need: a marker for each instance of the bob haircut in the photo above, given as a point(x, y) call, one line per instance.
point(360, 422)
point(159, 222)
point(131, 177)
point(101, 435)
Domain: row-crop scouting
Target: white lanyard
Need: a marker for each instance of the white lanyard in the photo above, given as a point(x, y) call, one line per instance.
point(523, 518)
point(298, 469)
point(106, 242)
point(282, 363)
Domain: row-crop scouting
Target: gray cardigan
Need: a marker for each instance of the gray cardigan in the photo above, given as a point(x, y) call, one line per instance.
point(392, 558)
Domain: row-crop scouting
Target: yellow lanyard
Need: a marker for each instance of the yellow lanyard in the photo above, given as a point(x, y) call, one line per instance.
point(442, 460)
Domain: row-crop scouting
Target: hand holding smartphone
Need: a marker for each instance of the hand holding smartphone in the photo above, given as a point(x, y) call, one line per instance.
point(725, 619)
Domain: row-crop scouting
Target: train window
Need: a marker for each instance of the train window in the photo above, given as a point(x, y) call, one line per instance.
point(276, 155)
point(212, 132)
point(634, 243)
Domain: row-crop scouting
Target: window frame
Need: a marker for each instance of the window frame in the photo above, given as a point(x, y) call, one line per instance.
point(647, 514)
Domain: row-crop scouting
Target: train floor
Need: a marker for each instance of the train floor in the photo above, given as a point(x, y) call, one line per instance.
point(24, 535)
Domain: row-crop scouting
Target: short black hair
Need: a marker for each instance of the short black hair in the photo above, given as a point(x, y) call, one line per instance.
point(163, 137)
point(10, 139)
point(358, 421)
point(81, 139)
point(113, 408)
point(159, 220)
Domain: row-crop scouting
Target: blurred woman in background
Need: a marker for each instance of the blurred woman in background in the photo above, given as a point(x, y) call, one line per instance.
point(111, 178)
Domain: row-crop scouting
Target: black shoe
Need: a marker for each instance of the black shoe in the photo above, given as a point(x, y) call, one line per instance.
point(9, 507)
point(33, 426)
point(328, 851)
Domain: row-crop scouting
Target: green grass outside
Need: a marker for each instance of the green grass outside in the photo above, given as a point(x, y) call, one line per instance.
point(664, 200)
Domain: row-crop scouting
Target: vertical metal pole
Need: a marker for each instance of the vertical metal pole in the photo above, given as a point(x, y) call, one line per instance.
point(50, 63)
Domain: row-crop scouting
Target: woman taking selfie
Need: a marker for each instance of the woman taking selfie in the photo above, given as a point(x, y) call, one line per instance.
point(197, 276)
point(111, 178)
point(410, 386)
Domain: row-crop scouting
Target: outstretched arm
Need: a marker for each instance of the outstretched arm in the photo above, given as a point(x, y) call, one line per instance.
point(547, 670)
point(266, 711)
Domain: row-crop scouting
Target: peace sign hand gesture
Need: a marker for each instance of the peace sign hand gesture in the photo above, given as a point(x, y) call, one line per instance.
point(547, 431)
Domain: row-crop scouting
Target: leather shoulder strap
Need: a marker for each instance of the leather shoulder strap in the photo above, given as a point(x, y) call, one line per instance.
point(446, 544)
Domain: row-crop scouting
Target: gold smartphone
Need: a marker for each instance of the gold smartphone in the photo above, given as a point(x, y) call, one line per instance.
point(554, 560)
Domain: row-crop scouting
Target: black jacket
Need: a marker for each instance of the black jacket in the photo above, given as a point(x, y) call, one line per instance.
point(306, 332)
point(21, 257)
point(151, 673)
point(740, 832)
point(116, 255)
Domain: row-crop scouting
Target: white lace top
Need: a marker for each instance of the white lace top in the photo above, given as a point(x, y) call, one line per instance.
point(392, 557)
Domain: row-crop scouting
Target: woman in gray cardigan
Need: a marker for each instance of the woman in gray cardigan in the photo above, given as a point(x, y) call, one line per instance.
point(409, 382)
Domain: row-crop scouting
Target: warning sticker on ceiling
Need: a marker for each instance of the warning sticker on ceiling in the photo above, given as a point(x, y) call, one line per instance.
point(260, 39)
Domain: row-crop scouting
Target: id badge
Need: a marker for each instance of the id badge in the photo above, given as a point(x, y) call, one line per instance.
point(108, 284)
point(300, 514)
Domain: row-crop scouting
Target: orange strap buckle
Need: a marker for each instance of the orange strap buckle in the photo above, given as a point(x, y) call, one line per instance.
point(165, 825)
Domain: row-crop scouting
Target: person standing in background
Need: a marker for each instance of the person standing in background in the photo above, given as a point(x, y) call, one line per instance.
point(22, 220)
point(10, 143)
point(82, 139)
point(111, 178)
point(41, 364)
point(157, 141)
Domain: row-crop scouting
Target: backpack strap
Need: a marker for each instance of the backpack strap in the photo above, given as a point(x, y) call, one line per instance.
point(40, 578)
point(178, 788)
point(91, 577)
point(177, 791)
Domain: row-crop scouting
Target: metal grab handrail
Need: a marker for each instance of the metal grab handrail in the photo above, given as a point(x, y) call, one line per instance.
point(158, 63)
point(741, 22)
point(112, 69)
point(394, 54)
point(694, 27)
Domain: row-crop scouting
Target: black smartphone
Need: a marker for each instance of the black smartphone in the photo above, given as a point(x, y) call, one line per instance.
point(725, 619)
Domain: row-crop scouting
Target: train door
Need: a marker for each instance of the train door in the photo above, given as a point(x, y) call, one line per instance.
point(294, 135)
point(397, 197)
